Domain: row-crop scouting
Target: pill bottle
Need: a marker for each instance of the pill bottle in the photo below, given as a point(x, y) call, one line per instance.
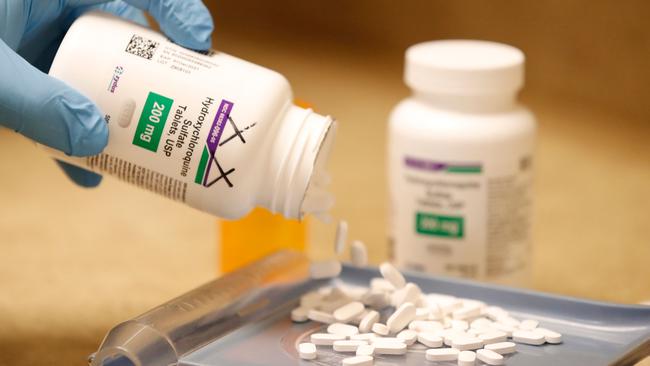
point(460, 163)
point(211, 130)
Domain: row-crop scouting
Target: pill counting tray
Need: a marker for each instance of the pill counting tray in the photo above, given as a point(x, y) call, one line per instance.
point(594, 333)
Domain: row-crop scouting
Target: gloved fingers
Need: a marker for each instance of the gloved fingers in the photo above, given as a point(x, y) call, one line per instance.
point(47, 110)
point(186, 22)
point(119, 8)
point(80, 176)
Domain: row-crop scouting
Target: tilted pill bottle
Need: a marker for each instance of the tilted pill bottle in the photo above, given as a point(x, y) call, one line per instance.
point(213, 131)
point(460, 163)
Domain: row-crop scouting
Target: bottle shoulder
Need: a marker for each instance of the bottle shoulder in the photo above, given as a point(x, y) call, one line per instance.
point(417, 119)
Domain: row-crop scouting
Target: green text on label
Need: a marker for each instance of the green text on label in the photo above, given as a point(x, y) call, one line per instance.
point(438, 225)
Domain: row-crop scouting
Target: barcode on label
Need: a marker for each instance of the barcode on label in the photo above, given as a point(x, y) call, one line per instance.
point(142, 47)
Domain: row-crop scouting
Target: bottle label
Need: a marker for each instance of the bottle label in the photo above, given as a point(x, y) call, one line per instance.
point(459, 218)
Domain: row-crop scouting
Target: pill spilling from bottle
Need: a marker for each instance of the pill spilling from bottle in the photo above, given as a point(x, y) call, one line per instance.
point(392, 317)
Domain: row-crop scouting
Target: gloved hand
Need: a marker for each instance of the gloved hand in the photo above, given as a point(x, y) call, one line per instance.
point(46, 109)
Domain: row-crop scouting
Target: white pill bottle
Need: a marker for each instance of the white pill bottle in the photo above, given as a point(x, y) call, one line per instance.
point(216, 132)
point(460, 163)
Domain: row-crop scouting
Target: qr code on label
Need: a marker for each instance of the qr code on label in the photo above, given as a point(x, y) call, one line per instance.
point(142, 47)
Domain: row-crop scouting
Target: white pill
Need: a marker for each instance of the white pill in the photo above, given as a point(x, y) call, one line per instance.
point(502, 347)
point(380, 329)
point(326, 339)
point(401, 317)
point(307, 351)
point(425, 325)
point(466, 358)
point(549, 335)
point(325, 269)
point(365, 325)
point(508, 320)
point(387, 340)
point(466, 343)
point(466, 312)
point(366, 350)
point(409, 293)
point(368, 337)
point(507, 329)
point(348, 311)
point(422, 313)
point(341, 236)
point(442, 354)
point(430, 339)
point(299, 314)
point(528, 324)
point(489, 357)
point(320, 316)
point(459, 325)
point(381, 284)
point(377, 299)
point(495, 312)
point(359, 254)
point(528, 337)
point(408, 336)
point(480, 323)
point(342, 329)
point(358, 361)
point(390, 348)
point(392, 275)
point(348, 346)
point(493, 337)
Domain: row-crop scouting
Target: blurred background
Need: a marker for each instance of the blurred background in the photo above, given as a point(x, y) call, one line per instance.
point(75, 262)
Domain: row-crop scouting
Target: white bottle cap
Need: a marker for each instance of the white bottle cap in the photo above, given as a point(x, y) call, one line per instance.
point(464, 67)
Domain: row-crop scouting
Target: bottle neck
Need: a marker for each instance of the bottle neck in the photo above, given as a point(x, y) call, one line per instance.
point(482, 103)
point(297, 148)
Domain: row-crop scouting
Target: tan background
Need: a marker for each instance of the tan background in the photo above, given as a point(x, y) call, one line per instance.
point(74, 262)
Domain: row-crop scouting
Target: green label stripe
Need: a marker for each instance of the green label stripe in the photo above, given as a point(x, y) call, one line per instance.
point(205, 156)
point(152, 121)
point(438, 225)
point(463, 169)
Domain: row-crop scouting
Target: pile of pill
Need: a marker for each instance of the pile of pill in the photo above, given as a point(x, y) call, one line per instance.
point(393, 316)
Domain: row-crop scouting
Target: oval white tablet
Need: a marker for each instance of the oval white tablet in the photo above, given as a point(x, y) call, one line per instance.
point(408, 336)
point(299, 314)
point(549, 335)
point(401, 317)
point(502, 348)
point(366, 350)
point(392, 275)
point(348, 311)
point(359, 254)
point(342, 329)
point(347, 346)
point(341, 236)
point(430, 339)
point(495, 336)
point(466, 343)
point(358, 361)
point(320, 316)
point(368, 337)
point(528, 324)
point(389, 348)
point(326, 339)
point(466, 358)
point(528, 337)
point(442, 354)
point(307, 351)
point(380, 329)
point(365, 325)
point(489, 357)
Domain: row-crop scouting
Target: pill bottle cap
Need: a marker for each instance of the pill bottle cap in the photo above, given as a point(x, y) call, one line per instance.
point(464, 67)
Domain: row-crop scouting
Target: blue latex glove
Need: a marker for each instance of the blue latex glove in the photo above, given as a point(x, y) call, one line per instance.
point(46, 109)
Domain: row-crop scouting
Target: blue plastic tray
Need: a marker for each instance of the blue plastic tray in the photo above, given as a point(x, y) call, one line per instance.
point(594, 333)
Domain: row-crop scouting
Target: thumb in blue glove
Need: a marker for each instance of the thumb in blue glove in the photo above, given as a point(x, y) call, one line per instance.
point(49, 111)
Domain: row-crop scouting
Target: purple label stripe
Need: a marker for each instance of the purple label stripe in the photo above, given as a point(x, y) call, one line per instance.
point(218, 125)
point(438, 166)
